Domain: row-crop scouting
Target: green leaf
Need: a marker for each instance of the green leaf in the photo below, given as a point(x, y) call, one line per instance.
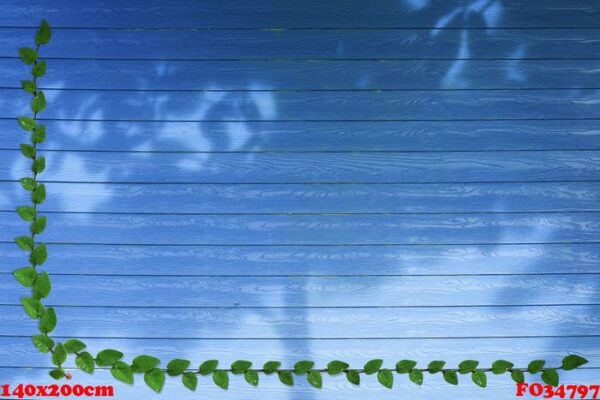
point(39, 254)
point(48, 321)
point(38, 226)
point(39, 194)
point(550, 377)
point(189, 380)
point(85, 362)
point(207, 367)
point(536, 366)
point(302, 367)
point(573, 361)
point(59, 355)
point(286, 378)
point(240, 366)
point(42, 286)
point(29, 86)
point(416, 376)
point(336, 367)
point(221, 378)
point(501, 366)
point(28, 184)
point(373, 366)
point(315, 379)
point(27, 213)
point(39, 69)
point(32, 307)
point(467, 366)
point(518, 376)
point(480, 378)
point(155, 379)
point(436, 366)
point(58, 373)
point(28, 150)
point(108, 357)
point(144, 363)
point(177, 366)
point(386, 378)
point(27, 123)
point(43, 343)
point(271, 367)
point(251, 376)
point(122, 372)
point(39, 165)
point(405, 366)
point(43, 34)
point(74, 345)
point(26, 276)
point(451, 377)
point(38, 103)
point(39, 134)
point(353, 377)
point(25, 243)
point(28, 55)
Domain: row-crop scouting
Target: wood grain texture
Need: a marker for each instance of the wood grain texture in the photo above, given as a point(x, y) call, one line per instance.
point(314, 106)
point(318, 198)
point(309, 75)
point(497, 259)
point(318, 230)
point(513, 44)
point(531, 321)
point(315, 292)
point(311, 168)
point(267, 14)
point(298, 136)
point(312, 180)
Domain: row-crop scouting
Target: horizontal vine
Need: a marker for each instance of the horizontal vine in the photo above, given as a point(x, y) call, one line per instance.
point(149, 366)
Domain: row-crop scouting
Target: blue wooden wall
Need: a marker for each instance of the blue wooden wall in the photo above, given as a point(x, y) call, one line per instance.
point(276, 179)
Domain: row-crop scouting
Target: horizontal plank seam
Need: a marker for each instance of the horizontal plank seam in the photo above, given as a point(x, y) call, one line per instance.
point(319, 275)
point(332, 183)
point(463, 306)
point(333, 214)
point(370, 90)
point(476, 151)
point(200, 307)
point(276, 338)
point(298, 28)
point(6, 57)
point(28, 337)
point(12, 118)
point(315, 244)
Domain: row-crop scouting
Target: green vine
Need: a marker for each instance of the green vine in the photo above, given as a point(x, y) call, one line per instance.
point(153, 374)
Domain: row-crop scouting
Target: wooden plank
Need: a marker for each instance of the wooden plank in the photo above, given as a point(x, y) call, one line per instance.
point(513, 44)
point(531, 321)
point(321, 229)
point(316, 292)
point(313, 136)
point(314, 106)
point(308, 75)
point(18, 351)
point(305, 14)
point(332, 167)
point(495, 259)
point(288, 198)
point(334, 388)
